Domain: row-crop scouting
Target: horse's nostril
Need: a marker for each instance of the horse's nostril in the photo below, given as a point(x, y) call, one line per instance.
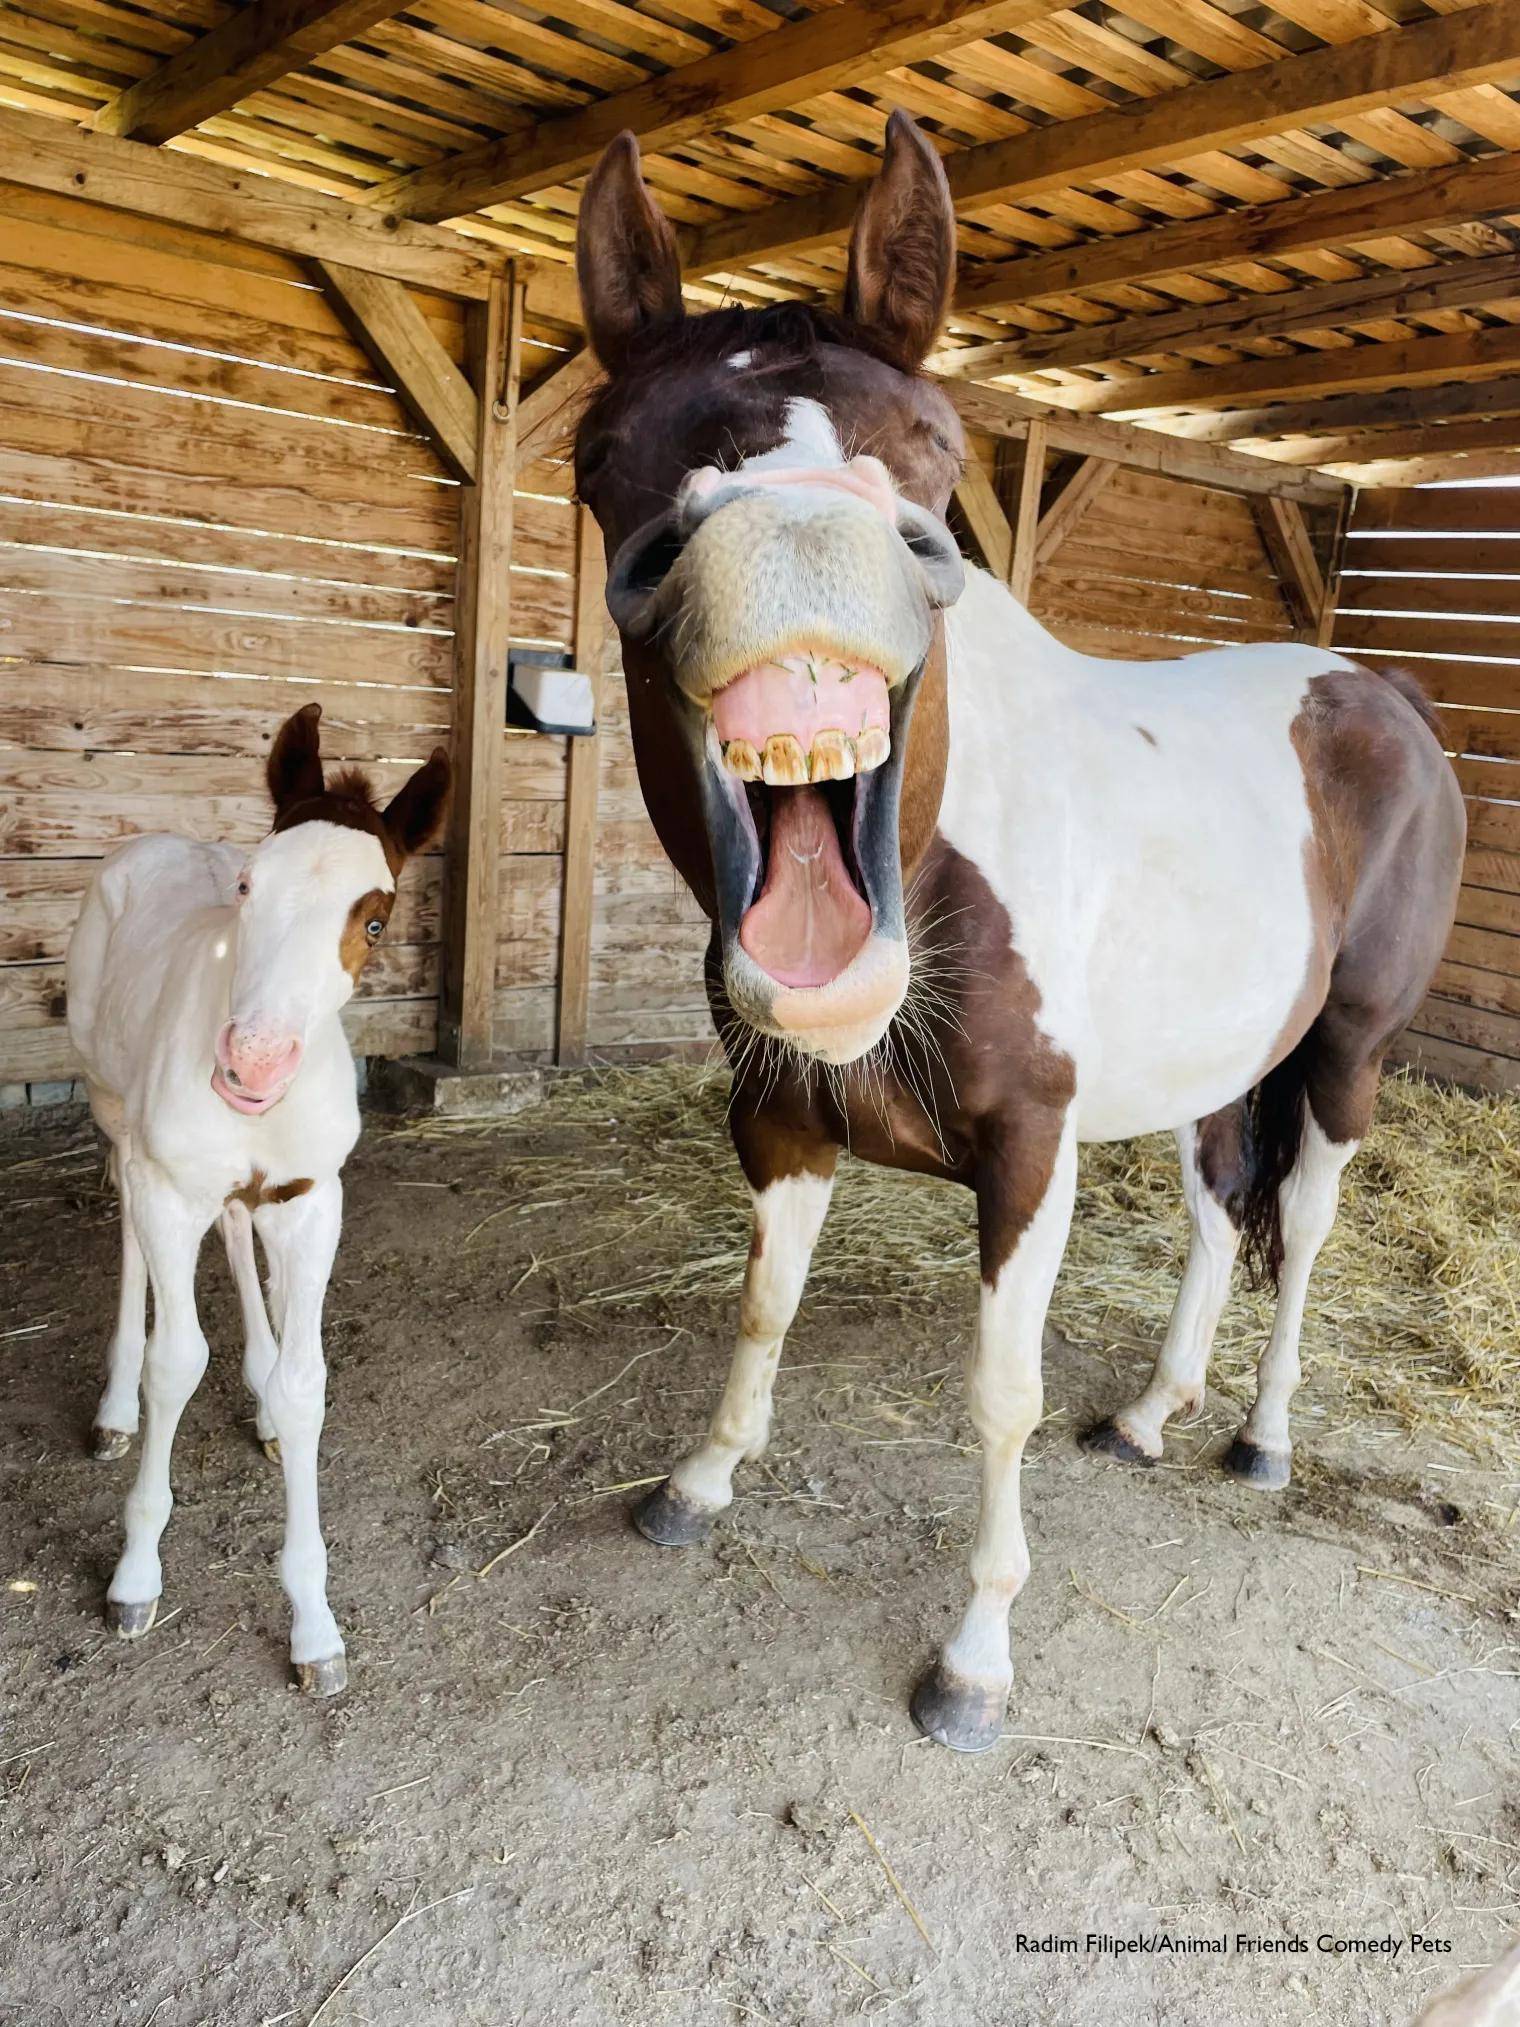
point(232, 1075)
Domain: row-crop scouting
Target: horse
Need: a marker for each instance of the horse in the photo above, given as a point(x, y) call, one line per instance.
point(977, 898)
point(204, 987)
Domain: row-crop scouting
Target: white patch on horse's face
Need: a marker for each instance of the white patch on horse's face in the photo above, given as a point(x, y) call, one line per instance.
point(302, 884)
point(738, 360)
point(810, 440)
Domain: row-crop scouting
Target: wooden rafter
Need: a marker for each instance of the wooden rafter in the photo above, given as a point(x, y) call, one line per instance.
point(826, 52)
point(1445, 53)
point(242, 54)
point(1420, 439)
point(1390, 293)
point(1392, 408)
point(1419, 202)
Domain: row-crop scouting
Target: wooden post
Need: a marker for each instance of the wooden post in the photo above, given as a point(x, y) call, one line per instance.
point(482, 630)
point(578, 893)
point(1324, 629)
point(1026, 519)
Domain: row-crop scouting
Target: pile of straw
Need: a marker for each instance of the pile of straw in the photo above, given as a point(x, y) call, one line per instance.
point(1413, 1308)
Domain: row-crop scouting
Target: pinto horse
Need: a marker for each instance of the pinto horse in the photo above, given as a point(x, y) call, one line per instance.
point(977, 898)
point(204, 985)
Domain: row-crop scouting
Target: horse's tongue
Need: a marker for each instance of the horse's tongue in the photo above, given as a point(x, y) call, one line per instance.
point(810, 919)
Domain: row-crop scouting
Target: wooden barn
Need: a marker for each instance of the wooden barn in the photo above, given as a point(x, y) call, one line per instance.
point(289, 352)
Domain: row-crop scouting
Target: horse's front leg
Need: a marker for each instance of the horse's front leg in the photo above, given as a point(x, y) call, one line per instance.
point(301, 1239)
point(791, 1179)
point(1025, 1194)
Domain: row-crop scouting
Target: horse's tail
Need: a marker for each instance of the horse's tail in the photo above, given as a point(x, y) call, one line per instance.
point(1274, 1128)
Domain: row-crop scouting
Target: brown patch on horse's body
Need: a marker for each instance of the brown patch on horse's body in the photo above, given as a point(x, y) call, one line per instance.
point(256, 1192)
point(985, 1107)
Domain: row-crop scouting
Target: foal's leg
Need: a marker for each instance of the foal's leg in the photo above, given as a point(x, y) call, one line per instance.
point(116, 1417)
point(1262, 1454)
point(259, 1347)
point(301, 1238)
point(1176, 1384)
point(170, 1232)
point(961, 1699)
point(789, 1214)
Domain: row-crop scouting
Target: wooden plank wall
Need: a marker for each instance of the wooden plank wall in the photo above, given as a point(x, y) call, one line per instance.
point(211, 511)
point(1432, 582)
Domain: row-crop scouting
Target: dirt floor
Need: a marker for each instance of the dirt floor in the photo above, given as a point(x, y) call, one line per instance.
point(594, 1782)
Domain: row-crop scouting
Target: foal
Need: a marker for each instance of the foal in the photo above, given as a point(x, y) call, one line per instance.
point(204, 984)
point(975, 897)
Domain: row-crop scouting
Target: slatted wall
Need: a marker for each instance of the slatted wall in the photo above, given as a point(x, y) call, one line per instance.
point(211, 511)
point(1432, 581)
point(1153, 568)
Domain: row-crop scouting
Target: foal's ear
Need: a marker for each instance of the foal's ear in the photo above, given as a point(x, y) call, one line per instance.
point(294, 771)
point(625, 255)
point(414, 814)
point(902, 251)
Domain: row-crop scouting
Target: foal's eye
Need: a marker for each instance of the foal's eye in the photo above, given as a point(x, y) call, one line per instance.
point(243, 888)
point(374, 928)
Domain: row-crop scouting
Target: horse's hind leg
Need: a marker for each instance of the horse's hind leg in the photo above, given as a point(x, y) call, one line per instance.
point(1212, 1171)
point(116, 1416)
point(1340, 1089)
point(259, 1347)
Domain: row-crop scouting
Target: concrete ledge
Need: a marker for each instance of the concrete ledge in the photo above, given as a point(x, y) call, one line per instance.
point(423, 1084)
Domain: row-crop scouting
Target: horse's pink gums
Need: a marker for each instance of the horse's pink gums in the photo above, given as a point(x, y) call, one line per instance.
point(810, 919)
point(805, 694)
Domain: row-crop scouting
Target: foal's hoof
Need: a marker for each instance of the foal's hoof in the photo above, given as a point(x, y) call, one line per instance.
point(322, 1678)
point(270, 1445)
point(1264, 1470)
point(130, 1622)
point(1107, 1439)
point(966, 1716)
point(108, 1445)
point(670, 1521)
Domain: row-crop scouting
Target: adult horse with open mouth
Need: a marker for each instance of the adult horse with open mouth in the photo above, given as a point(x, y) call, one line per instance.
point(975, 897)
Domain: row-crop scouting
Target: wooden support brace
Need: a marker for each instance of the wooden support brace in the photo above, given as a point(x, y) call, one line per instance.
point(1063, 514)
point(549, 409)
point(1286, 540)
point(976, 496)
point(1324, 626)
point(481, 638)
point(578, 894)
point(388, 324)
point(1026, 519)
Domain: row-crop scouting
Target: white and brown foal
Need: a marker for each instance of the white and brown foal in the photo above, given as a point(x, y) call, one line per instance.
point(975, 897)
point(204, 986)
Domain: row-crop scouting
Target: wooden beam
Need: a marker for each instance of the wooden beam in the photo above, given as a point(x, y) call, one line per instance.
point(826, 52)
point(1408, 364)
point(551, 408)
point(1402, 473)
point(1324, 628)
point(1449, 52)
point(976, 496)
point(1285, 538)
point(1389, 408)
point(1026, 517)
point(388, 324)
point(1389, 208)
point(578, 894)
point(1149, 450)
point(128, 176)
point(1390, 293)
point(482, 633)
point(242, 54)
point(1424, 440)
point(1062, 514)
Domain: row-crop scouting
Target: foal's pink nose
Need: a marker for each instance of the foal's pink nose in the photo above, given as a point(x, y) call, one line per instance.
point(257, 1059)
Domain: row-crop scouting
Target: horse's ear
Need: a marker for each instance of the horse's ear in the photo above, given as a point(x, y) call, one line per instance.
point(902, 251)
point(625, 255)
point(413, 815)
point(294, 771)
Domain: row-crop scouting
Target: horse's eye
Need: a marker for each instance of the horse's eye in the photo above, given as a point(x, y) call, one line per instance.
point(942, 442)
point(374, 928)
point(243, 888)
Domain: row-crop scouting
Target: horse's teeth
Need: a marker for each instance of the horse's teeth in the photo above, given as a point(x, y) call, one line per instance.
point(833, 757)
point(740, 758)
point(785, 764)
point(871, 749)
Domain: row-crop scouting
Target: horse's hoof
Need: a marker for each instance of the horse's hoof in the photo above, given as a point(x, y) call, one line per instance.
point(1263, 1470)
point(670, 1521)
point(130, 1622)
point(322, 1678)
point(966, 1716)
point(270, 1445)
point(1107, 1439)
point(108, 1445)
